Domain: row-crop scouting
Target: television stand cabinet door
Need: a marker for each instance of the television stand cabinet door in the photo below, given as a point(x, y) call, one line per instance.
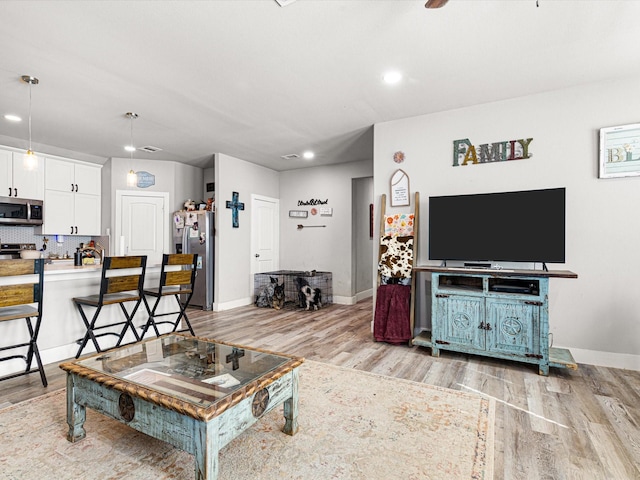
point(494, 314)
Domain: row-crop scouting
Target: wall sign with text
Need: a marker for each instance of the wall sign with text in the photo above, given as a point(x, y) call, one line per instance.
point(399, 188)
point(620, 151)
point(464, 152)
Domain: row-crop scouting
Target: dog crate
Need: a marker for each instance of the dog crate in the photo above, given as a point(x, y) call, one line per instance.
point(293, 280)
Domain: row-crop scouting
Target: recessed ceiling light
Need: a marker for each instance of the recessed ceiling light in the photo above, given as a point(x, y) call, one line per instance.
point(129, 148)
point(308, 155)
point(392, 77)
point(12, 118)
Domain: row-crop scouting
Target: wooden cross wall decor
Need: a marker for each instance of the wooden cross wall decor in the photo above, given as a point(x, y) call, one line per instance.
point(235, 205)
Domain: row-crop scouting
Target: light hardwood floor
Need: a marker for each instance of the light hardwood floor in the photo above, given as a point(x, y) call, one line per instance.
point(582, 424)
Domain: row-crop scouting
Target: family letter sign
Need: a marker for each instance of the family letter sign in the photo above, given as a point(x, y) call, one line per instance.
point(464, 152)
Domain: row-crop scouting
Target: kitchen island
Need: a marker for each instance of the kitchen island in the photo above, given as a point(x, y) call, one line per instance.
point(61, 321)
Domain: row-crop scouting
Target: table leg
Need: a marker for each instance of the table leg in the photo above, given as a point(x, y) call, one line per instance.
point(76, 414)
point(543, 369)
point(207, 445)
point(291, 407)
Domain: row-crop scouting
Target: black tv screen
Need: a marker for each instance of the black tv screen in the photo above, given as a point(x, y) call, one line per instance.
point(524, 226)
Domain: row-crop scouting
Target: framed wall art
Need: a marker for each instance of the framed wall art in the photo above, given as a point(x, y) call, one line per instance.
point(620, 151)
point(298, 213)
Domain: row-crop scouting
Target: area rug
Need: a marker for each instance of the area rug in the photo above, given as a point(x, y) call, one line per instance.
point(353, 425)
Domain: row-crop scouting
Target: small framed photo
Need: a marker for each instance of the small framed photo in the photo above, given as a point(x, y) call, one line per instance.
point(620, 151)
point(298, 213)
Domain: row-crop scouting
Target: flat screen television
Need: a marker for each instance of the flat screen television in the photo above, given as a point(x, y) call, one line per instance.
point(523, 226)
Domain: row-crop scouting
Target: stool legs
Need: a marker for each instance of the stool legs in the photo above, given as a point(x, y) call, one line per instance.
point(91, 326)
point(33, 349)
point(182, 314)
point(32, 353)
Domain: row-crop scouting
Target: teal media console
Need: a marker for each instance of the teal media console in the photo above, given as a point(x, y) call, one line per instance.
point(496, 313)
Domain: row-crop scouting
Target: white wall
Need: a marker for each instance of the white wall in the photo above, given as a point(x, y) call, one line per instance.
point(181, 181)
point(188, 185)
point(327, 248)
point(597, 315)
point(233, 282)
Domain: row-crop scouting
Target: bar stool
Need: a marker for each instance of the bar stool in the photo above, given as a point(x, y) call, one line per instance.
point(177, 277)
point(17, 301)
point(121, 282)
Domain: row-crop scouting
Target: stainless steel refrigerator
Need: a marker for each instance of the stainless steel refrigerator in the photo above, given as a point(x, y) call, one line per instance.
point(194, 233)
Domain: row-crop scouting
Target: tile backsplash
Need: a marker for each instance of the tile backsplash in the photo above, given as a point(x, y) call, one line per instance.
point(68, 243)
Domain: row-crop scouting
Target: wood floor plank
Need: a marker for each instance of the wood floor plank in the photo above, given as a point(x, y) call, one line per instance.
point(579, 424)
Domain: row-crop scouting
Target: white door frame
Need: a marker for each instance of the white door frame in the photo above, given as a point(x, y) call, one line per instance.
point(117, 227)
point(276, 256)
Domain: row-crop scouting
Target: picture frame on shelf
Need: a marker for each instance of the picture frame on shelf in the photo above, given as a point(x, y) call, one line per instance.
point(619, 151)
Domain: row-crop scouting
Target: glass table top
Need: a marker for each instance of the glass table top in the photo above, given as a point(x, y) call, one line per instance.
point(191, 369)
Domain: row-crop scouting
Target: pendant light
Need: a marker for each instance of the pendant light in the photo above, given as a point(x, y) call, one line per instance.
point(132, 177)
point(30, 159)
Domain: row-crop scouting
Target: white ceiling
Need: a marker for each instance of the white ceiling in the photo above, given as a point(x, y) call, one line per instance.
point(256, 81)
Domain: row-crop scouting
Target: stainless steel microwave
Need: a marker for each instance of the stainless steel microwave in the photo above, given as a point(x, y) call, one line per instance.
point(20, 211)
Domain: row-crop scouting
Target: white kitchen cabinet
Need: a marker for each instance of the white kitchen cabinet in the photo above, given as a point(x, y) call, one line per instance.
point(19, 181)
point(72, 198)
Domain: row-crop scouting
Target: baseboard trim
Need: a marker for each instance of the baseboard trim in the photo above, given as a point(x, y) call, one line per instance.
point(365, 294)
point(606, 359)
point(241, 302)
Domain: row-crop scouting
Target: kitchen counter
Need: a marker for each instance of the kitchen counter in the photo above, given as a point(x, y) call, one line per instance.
point(66, 266)
point(59, 267)
point(61, 323)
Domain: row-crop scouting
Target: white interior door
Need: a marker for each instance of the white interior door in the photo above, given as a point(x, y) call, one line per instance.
point(265, 234)
point(142, 226)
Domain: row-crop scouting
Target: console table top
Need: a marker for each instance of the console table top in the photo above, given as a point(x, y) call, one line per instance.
point(503, 272)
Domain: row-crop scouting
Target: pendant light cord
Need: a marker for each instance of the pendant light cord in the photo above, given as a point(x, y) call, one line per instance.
point(30, 117)
point(131, 150)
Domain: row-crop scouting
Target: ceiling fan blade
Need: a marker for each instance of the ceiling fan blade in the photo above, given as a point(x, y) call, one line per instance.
point(435, 3)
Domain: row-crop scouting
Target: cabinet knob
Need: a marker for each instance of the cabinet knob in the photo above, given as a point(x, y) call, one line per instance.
point(15, 192)
point(72, 187)
point(71, 230)
point(76, 187)
point(9, 191)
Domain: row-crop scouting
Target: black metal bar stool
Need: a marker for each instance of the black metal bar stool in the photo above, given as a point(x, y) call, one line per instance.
point(122, 282)
point(177, 277)
point(23, 299)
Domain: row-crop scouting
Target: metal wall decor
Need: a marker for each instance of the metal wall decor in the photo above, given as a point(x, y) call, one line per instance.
point(313, 201)
point(464, 152)
point(235, 205)
point(620, 151)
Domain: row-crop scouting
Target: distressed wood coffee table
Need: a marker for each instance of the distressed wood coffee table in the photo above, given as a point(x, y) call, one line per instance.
point(193, 393)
